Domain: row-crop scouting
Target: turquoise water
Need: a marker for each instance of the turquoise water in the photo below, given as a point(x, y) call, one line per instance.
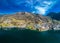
point(29, 36)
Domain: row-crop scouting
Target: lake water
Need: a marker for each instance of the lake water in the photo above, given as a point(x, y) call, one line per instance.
point(29, 36)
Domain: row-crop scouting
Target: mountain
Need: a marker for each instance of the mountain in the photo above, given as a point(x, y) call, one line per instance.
point(54, 15)
point(28, 21)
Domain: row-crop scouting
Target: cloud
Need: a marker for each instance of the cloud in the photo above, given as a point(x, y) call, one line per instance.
point(40, 10)
point(35, 6)
point(44, 7)
point(47, 2)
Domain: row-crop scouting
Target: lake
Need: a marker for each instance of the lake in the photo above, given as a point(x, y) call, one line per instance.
point(29, 36)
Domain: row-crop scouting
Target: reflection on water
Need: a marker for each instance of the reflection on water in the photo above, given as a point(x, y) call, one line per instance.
point(29, 36)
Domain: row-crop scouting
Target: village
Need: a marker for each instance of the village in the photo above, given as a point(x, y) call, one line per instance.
point(29, 21)
point(11, 23)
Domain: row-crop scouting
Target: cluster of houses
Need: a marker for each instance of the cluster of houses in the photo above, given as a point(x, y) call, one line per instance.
point(11, 23)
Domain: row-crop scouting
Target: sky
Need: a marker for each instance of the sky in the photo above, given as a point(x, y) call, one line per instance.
point(56, 7)
point(34, 6)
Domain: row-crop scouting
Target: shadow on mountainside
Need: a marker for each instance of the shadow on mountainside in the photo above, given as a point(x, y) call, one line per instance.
point(54, 15)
